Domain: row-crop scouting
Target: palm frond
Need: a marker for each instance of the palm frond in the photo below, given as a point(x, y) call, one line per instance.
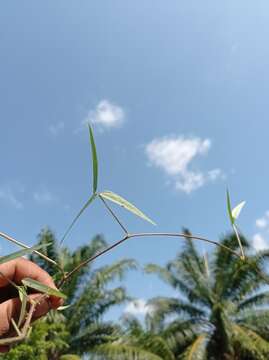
point(164, 274)
point(254, 301)
point(163, 306)
point(120, 351)
point(102, 276)
point(197, 350)
point(248, 342)
point(93, 335)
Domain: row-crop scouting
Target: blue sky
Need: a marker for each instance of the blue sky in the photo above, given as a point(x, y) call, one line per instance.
point(178, 94)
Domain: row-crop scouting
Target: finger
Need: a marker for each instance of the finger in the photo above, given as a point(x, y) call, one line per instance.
point(11, 309)
point(8, 309)
point(43, 305)
point(20, 268)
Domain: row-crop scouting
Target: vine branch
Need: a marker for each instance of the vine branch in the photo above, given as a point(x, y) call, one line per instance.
point(129, 236)
point(113, 214)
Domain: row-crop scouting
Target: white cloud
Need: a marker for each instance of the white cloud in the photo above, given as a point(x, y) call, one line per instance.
point(106, 115)
point(44, 197)
point(259, 243)
point(138, 307)
point(190, 181)
point(55, 129)
point(7, 194)
point(262, 223)
point(259, 239)
point(174, 155)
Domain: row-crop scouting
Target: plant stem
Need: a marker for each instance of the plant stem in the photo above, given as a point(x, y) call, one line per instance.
point(113, 214)
point(239, 242)
point(14, 241)
point(183, 235)
point(129, 236)
point(86, 262)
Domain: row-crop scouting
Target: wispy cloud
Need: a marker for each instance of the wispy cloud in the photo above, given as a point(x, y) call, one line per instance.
point(56, 128)
point(259, 240)
point(138, 307)
point(9, 196)
point(44, 197)
point(174, 156)
point(106, 115)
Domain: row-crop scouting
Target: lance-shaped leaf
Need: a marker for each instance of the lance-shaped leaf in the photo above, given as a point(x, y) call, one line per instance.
point(36, 285)
point(20, 253)
point(237, 210)
point(117, 199)
point(77, 216)
point(233, 214)
point(94, 161)
point(23, 299)
point(229, 208)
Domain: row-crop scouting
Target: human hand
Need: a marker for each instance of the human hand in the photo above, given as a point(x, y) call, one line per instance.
point(10, 304)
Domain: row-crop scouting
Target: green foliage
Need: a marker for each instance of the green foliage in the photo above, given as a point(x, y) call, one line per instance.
point(94, 183)
point(37, 285)
point(21, 253)
point(220, 310)
point(94, 161)
point(88, 292)
point(235, 212)
point(46, 342)
point(119, 200)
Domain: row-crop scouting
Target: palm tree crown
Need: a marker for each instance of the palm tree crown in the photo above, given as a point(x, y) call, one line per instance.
point(222, 310)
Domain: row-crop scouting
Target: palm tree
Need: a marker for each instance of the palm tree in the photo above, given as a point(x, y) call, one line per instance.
point(88, 293)
point(135, 341)
point(222, 308)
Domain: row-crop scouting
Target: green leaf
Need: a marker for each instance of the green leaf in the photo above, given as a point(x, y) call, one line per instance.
point(117, 199)
point(229, 208)
point(94, 160)
point(20, 253)
point(237, 210)
point(77, 216)
point(23, 299)
point(34, 284)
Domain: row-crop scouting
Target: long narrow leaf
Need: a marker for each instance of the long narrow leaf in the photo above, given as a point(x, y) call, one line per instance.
point(94, 161)
point(229, 208)
point(23, 299)
point(117, 199)
point(34, 284)
point(20, 253)
point(77, 216)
